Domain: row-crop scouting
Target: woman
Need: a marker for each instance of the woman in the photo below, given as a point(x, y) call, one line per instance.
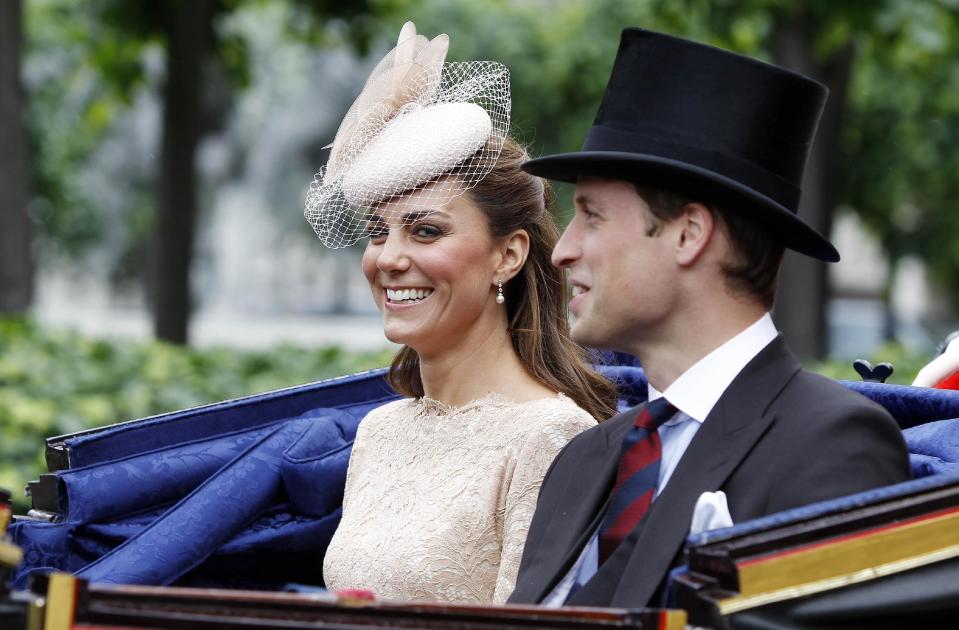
point(442, 484)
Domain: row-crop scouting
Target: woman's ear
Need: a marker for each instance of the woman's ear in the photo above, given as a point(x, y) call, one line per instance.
point(513, 253)
point(696, 225)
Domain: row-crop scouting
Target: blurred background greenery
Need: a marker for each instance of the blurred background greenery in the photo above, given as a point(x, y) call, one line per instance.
point(154, 156)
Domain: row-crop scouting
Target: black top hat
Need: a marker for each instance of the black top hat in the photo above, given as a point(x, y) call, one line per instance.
point(705, 123)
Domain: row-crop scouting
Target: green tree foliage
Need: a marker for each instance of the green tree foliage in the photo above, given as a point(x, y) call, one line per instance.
point(903, 159)
point(87, 62)
point(71, 107)
point(110, 53)
point(54, 382)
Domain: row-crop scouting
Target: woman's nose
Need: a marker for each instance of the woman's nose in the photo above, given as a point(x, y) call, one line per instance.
point(393, 254)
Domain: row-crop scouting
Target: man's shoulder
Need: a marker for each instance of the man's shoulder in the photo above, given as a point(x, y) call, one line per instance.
point(819, 394)
point(822, 441)
point(803, 406)
point(814, 408)
point(804, 389)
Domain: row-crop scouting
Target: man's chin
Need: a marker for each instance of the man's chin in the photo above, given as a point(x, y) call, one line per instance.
point(585, 335)
point(594, 337)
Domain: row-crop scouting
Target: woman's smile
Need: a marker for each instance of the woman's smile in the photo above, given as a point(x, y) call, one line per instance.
point(398, 298)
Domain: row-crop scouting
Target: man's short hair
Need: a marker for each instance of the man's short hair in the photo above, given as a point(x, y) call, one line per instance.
point(757, 254)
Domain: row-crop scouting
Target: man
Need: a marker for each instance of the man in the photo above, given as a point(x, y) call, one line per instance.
point(687, 191)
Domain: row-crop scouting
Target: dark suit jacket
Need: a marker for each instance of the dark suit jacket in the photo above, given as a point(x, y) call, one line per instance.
point(778, 438)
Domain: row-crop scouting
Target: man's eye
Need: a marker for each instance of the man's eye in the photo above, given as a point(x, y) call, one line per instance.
point(591, 216)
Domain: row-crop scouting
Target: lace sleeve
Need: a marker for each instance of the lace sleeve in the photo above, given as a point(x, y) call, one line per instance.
point(532, 461)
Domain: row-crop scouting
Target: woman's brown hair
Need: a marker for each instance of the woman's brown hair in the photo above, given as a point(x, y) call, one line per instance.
point(536, 297)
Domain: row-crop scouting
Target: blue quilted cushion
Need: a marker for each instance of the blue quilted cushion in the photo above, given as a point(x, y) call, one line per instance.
point(933, 447)
point(314, 466)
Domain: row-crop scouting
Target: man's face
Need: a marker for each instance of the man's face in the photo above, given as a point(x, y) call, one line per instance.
point(622, 276)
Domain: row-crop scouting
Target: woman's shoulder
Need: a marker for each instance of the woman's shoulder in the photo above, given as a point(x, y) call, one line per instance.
point(391, 407)
point(556, 413)
point(562, 407)
point(540, 428)
point(384, 413)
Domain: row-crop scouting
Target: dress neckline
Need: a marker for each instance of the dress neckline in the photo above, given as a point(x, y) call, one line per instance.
point(426, 405)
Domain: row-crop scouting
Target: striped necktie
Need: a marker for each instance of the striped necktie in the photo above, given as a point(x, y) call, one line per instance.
point(636, 476)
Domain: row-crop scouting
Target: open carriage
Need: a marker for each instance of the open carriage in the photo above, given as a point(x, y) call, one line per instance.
point(245, 494)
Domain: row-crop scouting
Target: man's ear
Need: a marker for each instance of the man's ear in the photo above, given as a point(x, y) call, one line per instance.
point(513, 253)
point(696, 226)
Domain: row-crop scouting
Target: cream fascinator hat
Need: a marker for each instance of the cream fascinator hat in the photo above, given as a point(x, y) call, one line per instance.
point(417, 119)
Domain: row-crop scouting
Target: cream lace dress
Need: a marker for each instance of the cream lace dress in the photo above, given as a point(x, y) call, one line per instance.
point(438, 500)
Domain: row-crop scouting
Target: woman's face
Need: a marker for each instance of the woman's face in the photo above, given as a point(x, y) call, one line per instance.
point(432, 276)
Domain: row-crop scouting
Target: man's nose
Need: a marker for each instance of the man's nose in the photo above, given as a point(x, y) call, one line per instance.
point(567, 247)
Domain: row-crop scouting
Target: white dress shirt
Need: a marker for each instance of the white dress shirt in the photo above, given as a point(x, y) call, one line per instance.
point(694, 394)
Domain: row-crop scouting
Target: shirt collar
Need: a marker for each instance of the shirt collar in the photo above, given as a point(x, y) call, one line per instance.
point(698, 389)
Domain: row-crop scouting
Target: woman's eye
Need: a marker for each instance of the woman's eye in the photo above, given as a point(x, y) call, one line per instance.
point(427, 231)
point(377, 232)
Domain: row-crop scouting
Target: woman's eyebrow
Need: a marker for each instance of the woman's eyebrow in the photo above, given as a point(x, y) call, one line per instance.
point(413, 217)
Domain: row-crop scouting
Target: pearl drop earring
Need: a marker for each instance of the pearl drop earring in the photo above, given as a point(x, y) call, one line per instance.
point(499, 292)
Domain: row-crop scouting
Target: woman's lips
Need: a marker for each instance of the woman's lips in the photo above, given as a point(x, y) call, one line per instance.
point(404, 298)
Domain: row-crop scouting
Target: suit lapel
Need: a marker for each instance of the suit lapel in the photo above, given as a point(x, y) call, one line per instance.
point(586, 492)
point(725, 438)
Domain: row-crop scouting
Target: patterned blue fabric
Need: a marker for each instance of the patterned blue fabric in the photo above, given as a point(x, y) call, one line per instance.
point(185, 535)
point(933, 448)
point(149, 479)
point(357, 393)
point(224, 493)
point(314, 466)
point(910, 406)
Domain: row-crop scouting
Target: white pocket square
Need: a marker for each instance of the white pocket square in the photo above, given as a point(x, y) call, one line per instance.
point(711, 512)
